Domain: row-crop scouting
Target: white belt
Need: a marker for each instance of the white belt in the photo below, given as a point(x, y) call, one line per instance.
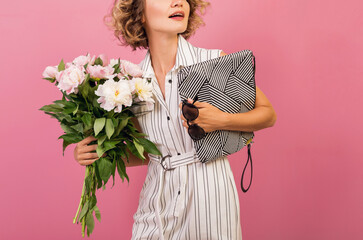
point(169, 163)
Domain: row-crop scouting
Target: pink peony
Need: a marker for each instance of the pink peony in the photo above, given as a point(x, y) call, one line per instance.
point(100, 72)
point(129, 68)
point(70, 78)
point(84, 59)
point(50, 72)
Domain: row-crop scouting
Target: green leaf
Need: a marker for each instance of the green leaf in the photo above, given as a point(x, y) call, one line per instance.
point(133, 149)
point(61, 116)
point(88, 183)
point(98, 61)
point(101, 139)
point(99, 124)
point(60, 103)
point(70, 107)
point(65, 145)
point(139, 148)
point(100, 151)
point(85, 90)
point(121, 168)
point(61, 66)
point(149, 146)
point(92, 202)
point(90, 223)
point(52, 80)
point(115, 122)
point(97, 213)
point(87, 120)
point(121, 125)
point(113, 170)
point(75, 111)
point(104, 167)
point(84, 210)
point(99, 180)
point(87, 75)
point(71, 137)
point(109, 144)
point(51, 108)
point(110, 129)
point(66, 128)
point(78, 127)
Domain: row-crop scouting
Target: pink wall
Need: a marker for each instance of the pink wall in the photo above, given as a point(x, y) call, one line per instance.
point(307, 180)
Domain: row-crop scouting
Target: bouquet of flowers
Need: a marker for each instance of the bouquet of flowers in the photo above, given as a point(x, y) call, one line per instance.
point(98, 100)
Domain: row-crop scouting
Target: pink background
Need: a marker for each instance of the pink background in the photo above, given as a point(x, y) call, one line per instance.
point(307, 169)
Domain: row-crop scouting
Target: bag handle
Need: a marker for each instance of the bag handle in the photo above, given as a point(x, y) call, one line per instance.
point(248, 158)
point(249, 145)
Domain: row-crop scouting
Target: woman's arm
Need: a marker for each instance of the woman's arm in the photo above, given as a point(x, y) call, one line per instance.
point(211, 118)
point(133, 160)
point(262, 116)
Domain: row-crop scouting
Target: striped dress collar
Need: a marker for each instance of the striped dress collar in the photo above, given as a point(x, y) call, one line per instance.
point(185, 56)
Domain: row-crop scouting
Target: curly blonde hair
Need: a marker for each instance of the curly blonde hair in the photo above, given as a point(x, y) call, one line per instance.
point(126, 21)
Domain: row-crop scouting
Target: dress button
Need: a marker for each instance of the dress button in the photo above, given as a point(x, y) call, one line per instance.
point(169, 80)
point(178, 153)
point(168, 118)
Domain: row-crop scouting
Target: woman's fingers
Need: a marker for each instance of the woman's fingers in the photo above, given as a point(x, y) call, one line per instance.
point(87, 148)
point(89, 155)
point(87, 140)
point(87, 162)
point(86, 156)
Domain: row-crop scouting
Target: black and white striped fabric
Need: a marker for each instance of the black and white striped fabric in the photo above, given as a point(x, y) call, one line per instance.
point(195, 201)
point(228, 83)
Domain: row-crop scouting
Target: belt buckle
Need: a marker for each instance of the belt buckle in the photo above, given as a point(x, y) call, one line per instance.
point(162, 160)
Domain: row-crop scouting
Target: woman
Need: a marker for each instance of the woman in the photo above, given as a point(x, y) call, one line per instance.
point(195, 200)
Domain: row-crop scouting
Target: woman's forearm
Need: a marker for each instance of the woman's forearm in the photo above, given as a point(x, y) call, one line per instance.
point(256, 119)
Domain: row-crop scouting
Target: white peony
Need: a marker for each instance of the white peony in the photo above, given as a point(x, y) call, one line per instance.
point(144, 96)
point(70, 78)
point(143, 89)
point(114, 94)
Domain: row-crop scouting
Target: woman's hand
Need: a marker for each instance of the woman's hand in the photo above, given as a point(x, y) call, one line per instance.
point(210, 118)
point(83, 152)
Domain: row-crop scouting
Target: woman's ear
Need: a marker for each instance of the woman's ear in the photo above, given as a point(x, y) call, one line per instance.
point(143, 18)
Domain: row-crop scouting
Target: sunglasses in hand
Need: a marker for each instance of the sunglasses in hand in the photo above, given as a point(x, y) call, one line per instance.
point(190, 113)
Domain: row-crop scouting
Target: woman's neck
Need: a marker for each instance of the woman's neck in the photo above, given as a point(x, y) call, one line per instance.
point(163, 50)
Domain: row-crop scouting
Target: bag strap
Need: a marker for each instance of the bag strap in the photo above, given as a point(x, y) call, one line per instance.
point(249, 145)
point(248, 158)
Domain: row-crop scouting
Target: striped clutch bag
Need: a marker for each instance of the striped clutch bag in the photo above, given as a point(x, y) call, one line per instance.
point(228, 83)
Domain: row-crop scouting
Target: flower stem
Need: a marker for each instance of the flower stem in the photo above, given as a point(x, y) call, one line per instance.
point(83, 226)
point(82, 195)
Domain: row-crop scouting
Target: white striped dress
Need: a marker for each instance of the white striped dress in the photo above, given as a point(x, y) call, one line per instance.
point(198, 201)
